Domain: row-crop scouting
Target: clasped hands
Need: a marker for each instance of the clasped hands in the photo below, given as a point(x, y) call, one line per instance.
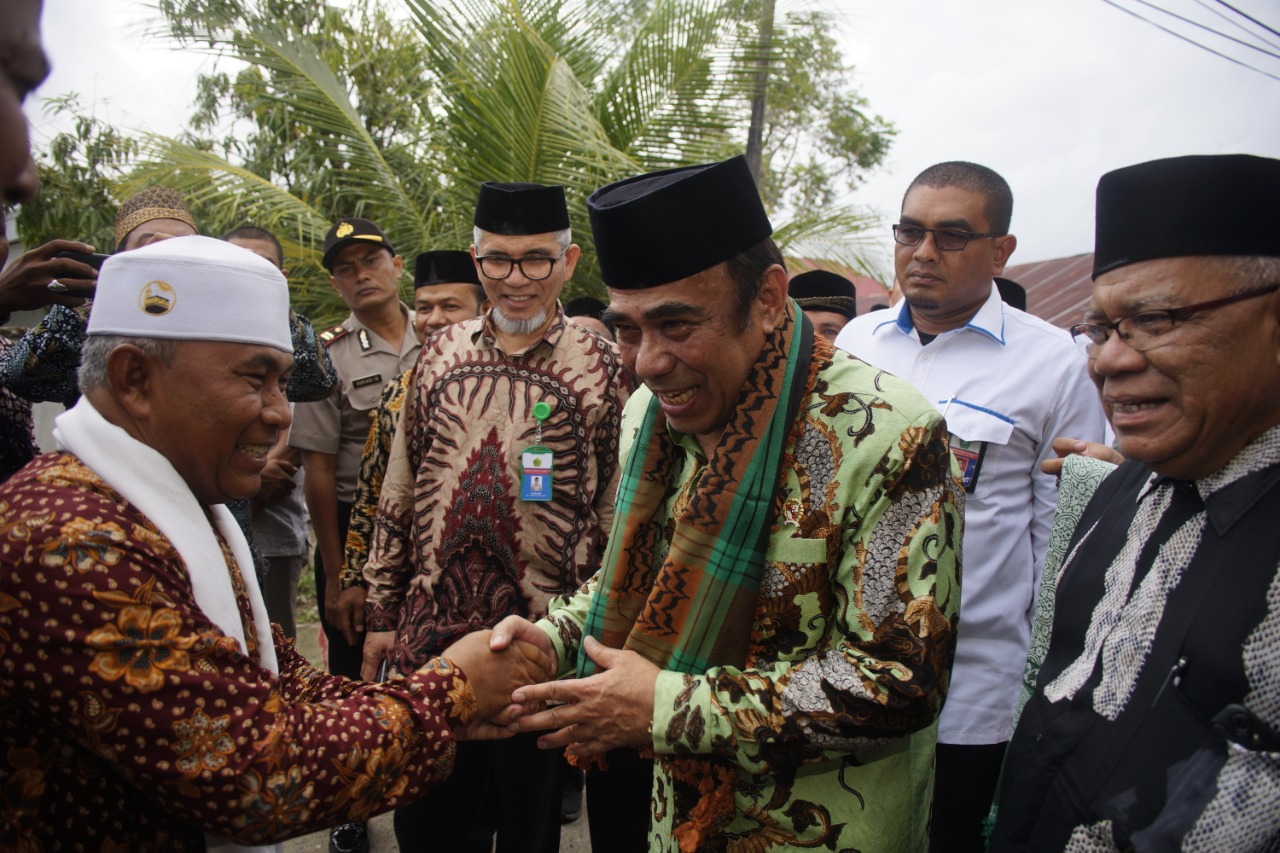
point(510, 670)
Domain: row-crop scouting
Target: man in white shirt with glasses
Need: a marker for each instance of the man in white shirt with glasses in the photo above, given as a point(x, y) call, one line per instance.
point(1007, 383)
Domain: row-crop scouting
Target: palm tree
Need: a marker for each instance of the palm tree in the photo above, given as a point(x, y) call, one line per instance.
point(400, 120)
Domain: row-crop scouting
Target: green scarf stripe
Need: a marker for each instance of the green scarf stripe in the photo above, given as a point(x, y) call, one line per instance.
point(717, 551)
point(735, 561)
point(623, 505)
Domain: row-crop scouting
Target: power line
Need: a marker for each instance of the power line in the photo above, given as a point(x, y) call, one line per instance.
point(1249, 18)
point(1194, 23)
point(1190, 40)
point(1233, 22)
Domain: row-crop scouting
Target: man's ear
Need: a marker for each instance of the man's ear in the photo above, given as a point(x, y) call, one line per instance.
point(772, 298)
point(131, 376)
point(1004, 248)
point(571, 259)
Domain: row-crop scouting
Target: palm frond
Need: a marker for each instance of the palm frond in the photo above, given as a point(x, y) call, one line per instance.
point(844, 234)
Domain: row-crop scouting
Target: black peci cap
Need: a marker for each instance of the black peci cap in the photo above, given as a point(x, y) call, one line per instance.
point(664, 226)
point(521, 208)
point(820, 290)
point(446, 266)
point(1225, 204)
point(1012, 293)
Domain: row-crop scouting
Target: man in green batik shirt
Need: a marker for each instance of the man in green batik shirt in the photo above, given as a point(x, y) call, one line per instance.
point(775, 616)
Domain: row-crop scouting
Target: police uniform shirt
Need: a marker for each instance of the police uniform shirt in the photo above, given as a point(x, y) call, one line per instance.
point(340, 423)
point(1007, 383)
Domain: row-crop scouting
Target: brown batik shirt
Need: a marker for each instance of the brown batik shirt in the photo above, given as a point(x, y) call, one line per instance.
point(133, 723)
point(455, 549)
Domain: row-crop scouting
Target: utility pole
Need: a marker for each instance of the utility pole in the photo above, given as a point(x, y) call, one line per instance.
point(755, 133)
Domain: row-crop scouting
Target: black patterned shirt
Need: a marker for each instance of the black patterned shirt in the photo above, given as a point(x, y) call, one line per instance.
point(1156, 718)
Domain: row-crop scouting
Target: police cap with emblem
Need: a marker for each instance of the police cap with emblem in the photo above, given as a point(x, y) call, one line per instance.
point(351, 230)
point(820, 290)
point(1224, 204)
point(665, 226)
point(521, 208)
point(444, 267)
point(193, 288)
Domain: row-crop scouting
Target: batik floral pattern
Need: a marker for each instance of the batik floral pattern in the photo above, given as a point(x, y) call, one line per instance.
point(833, 716)
point(132, 723)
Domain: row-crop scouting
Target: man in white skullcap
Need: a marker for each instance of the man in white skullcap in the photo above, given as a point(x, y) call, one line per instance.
point(147, 703)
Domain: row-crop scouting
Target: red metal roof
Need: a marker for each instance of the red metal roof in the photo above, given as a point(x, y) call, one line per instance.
point(1058, 290)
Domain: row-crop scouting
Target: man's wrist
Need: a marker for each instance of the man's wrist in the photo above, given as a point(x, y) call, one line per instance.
point(351, 580)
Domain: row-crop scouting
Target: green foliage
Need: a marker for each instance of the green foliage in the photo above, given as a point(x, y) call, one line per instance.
point(78, 173)
point(313, 112)
point(819, 138)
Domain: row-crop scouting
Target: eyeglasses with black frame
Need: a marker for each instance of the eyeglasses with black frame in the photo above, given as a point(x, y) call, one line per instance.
point(1143, 331)
point(946, 239)
point(533, 267)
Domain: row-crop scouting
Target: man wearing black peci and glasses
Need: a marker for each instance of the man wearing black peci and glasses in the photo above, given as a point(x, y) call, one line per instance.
point(1007, 383)
point(498, 496)
point(1155, 722)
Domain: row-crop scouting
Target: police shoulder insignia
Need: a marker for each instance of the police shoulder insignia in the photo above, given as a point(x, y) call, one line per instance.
point(328, 336)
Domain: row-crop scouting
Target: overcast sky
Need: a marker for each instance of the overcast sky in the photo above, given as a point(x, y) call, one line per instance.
point(1049, 94)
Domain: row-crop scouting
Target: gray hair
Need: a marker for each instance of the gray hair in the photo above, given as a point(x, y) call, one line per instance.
point(93, 358)
point(1251, 272)
point(563, 237)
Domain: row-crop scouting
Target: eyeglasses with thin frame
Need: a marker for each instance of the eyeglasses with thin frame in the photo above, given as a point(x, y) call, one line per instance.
point(533, 267)
point(346, 270)
point(1146, 330)
point(946, 239)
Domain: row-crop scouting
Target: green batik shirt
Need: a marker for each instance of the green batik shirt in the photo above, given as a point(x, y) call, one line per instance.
point(831, 724)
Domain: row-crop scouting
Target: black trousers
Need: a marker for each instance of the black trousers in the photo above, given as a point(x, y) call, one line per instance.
point(618, 803)
point(344, 659)
point(508, 787)
point(964, 783)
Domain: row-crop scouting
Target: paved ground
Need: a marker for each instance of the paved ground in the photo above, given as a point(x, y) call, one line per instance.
point(382, 839)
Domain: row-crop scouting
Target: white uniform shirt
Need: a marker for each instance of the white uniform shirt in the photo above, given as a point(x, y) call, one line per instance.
point(1008, 383)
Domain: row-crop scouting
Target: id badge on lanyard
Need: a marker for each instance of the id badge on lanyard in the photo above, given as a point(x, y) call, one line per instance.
point(536, 462)
point(968, 454)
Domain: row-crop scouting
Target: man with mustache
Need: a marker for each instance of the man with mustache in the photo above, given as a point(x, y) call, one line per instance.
point(1007, 384)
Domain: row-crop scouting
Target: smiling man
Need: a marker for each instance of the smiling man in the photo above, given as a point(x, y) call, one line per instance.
point(774, 619)
point(147, 702)
point(1007, 383)
point(1155, 724)
point(497, 497)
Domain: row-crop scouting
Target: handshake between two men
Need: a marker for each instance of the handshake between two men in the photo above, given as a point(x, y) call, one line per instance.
point(511, 670)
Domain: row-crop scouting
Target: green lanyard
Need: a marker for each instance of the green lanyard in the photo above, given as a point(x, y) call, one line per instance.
point(536, 461)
